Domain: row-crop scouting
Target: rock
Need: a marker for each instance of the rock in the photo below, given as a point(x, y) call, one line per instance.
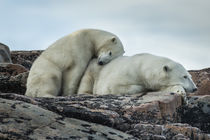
point(197, 112)
point(5, 56)
point(202, 80)
point(8, 69)
point(93, 109)
point(184, 131)
point(25, 58)
point(158, 105)
point(20, 120)
point(120, 113)
point(13, 78)
point(171, 131)
point(148, 131)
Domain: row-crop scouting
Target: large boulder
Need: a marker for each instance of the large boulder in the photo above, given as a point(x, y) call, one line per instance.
point(20, 120)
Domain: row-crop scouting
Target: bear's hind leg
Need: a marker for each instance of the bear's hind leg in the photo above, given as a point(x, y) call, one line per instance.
point(52, 86)
point(71, 79)
point(46, 85)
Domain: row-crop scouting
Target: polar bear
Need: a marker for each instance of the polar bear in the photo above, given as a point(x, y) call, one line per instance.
point(135, 74)
point(58, 70)
point(89, 78)
point(5, 56)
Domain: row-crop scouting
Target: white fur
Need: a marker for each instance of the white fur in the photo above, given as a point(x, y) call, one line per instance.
point(60, 67)
point(135, 74)
point(90, 76)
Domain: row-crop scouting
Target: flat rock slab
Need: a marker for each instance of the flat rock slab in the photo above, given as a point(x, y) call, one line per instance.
point(20, 120)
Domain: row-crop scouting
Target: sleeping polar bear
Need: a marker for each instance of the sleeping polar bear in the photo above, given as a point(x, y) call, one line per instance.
point(58, 70)
point(135, 74)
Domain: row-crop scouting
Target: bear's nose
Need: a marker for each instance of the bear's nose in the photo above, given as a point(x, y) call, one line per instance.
point(195, 89)
point(100, 63)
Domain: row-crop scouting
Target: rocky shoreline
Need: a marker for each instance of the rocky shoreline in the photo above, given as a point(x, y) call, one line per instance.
point(162, 116)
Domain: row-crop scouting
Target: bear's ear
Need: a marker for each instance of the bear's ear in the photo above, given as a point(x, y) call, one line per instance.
point(166, 68)
point(114, 40)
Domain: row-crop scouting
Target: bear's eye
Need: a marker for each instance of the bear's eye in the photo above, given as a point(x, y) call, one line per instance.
point(185, 77)
point(110, 53)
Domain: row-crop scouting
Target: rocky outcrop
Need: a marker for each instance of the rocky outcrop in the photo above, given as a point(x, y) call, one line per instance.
point(20, 120)
point(155, 115)
point(202, 80)
point(143, 120)
point(25, 58)
point(197, 112)
point(13, 78)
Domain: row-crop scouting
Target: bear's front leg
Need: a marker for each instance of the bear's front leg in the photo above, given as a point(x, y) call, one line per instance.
point(71, 79)
point(127, 89)
point(177, 89)
point(86, 84)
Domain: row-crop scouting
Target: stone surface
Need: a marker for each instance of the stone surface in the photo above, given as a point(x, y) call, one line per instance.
point(13, 78)
point(159, 116)
point(197, 112)
point(158, 105)
point(171, 131)
point(20, 120)
point(108, 110)
point(115, 111)
point(25, 58)
point(185, 131)
point(202, 80)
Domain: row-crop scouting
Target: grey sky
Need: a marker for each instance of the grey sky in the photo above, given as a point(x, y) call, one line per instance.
point(177, 29)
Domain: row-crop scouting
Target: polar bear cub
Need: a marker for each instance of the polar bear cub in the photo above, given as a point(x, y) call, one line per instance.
point(138, 73)
point(58, 70)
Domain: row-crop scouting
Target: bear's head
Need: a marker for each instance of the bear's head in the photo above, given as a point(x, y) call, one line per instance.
point(176, 75)
point(110, 49)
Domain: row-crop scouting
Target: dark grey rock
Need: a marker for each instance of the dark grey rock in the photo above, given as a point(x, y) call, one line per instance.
point(20, 120)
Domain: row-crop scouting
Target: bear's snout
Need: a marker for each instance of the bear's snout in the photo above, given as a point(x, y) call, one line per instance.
point(100, 62)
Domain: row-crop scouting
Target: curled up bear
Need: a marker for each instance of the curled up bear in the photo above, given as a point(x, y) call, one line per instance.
point(135, 74)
